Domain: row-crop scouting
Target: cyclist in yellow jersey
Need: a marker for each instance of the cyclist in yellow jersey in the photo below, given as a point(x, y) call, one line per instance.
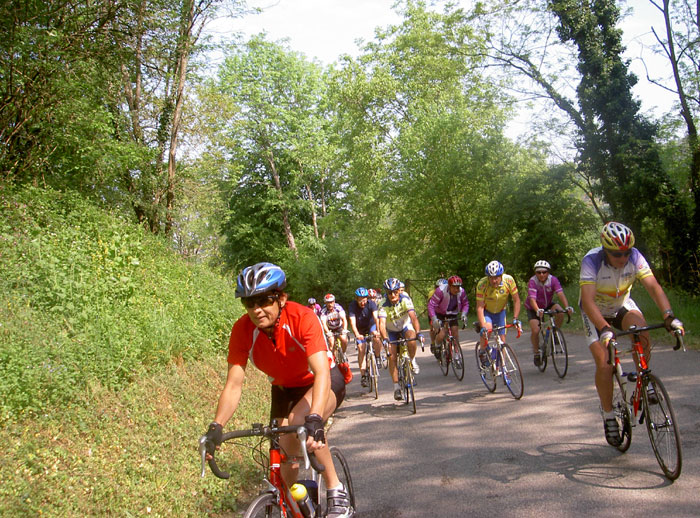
point(492, 294)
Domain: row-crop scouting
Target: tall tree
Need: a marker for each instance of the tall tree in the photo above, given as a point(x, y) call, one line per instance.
point(617, 143)
point(680, 44)
point(276, 139)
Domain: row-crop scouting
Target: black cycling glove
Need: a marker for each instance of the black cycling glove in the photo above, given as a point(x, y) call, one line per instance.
point(214, 436)
point(314, 427)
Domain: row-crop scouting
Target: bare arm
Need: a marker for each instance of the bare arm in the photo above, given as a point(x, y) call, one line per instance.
point(516, 304)
point(414, 320)
point(231, 395)
point(480, 305)
point(318, 363)
point(656, 292)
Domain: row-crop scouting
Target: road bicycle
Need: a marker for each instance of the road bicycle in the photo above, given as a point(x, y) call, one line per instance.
point(552, 342)
point(500, 361)
point(450, 352)
point(275, 500)
point(407, 379)
point(649, 402)
point(372, 365)
point(340, 357)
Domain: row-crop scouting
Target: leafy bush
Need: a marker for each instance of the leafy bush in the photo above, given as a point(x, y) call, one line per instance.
point(87, 296)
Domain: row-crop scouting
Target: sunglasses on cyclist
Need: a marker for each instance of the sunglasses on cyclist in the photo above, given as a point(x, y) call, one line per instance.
point(541, 272)
point(618, 254)
point(262, 301)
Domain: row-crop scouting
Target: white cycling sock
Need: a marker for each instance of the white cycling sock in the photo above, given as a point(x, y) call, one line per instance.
point(609, 415)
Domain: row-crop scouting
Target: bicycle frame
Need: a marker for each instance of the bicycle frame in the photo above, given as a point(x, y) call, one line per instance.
point(640, 360)
point(649, 403)
point(275, 482)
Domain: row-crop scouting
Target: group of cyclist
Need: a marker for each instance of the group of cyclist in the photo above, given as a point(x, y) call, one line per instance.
point(286, 340)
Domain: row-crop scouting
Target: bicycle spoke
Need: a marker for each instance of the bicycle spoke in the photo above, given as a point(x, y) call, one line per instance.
point(560, 353)
point(622, 411)
point(544, 350)
point(457, 360)
point(485, 372)
point(444, 358)
point(512, 374)
point(661, 425)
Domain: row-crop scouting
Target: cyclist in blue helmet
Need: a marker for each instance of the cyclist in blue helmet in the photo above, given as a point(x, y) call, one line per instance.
point(492, 294)
point(306, 385)
point(362, 314)
point(397, 317)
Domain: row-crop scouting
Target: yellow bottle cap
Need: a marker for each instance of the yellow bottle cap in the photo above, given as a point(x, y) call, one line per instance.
point(298, 492)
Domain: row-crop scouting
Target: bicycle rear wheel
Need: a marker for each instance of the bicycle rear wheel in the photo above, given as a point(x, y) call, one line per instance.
point(622, 412)
point(343, 472)
point(485, 371)
point(543, 350)
point(409, 396)
point(444, 358)
point(663, 430)
point(560, 354)
point(264, 506)
point(457, 359)
point(512, 374)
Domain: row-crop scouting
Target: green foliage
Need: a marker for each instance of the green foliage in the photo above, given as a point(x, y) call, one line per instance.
point(87, 296)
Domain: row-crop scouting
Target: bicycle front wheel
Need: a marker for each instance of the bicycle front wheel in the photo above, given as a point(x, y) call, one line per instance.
point(374, 376)
point(662, 427)
point(264, 506)
point(512, 374)
point(560, 354)
point(343, 472)
point(444, 358)
point(409, 396)
point(544, 350)
point(457, 360)
point(485, 371)
point(622, 412)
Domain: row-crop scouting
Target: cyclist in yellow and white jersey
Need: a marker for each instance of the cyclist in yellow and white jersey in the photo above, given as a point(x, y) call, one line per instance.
point(492, 294)
point(397, 319)
point(607, 275)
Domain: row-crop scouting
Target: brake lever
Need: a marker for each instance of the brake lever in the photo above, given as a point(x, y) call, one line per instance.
point(203, 453)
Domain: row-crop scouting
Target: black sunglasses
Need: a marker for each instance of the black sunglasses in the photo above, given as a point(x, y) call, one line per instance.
point(618, 254)
point(261, 301)
point(541, 272)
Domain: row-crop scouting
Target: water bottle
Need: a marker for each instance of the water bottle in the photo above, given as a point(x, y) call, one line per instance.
point(494, 353)
point(546, 336)
point(301, 497)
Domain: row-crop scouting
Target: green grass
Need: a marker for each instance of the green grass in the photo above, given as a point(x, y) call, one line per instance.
point(112, 357)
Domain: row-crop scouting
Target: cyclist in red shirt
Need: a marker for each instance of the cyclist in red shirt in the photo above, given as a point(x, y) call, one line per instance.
point(285, 340)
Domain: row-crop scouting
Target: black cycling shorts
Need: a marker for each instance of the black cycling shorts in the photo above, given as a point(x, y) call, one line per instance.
point(532, 315)
point(284, 399)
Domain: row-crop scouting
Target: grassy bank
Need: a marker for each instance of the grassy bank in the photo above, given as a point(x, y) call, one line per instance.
point(112, 356)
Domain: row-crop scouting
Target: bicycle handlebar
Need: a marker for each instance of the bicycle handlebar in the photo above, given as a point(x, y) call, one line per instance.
point(636, 330)
point(555, 311)
point(258, 430)
point(499, 328)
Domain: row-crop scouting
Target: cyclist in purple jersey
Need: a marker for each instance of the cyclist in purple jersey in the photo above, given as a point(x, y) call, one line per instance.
point(540, 296)
point(312, 304)
point(448, 302)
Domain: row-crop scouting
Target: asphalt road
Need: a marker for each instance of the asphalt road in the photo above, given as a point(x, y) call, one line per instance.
point(467, 452)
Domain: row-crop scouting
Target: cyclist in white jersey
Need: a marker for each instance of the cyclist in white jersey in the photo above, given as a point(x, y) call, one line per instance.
point(607, 276)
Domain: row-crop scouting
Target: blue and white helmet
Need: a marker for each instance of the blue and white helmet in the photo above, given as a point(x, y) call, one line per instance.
point(392, 284)
point(260, 278)
point(361, 292)
point(494, 269)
